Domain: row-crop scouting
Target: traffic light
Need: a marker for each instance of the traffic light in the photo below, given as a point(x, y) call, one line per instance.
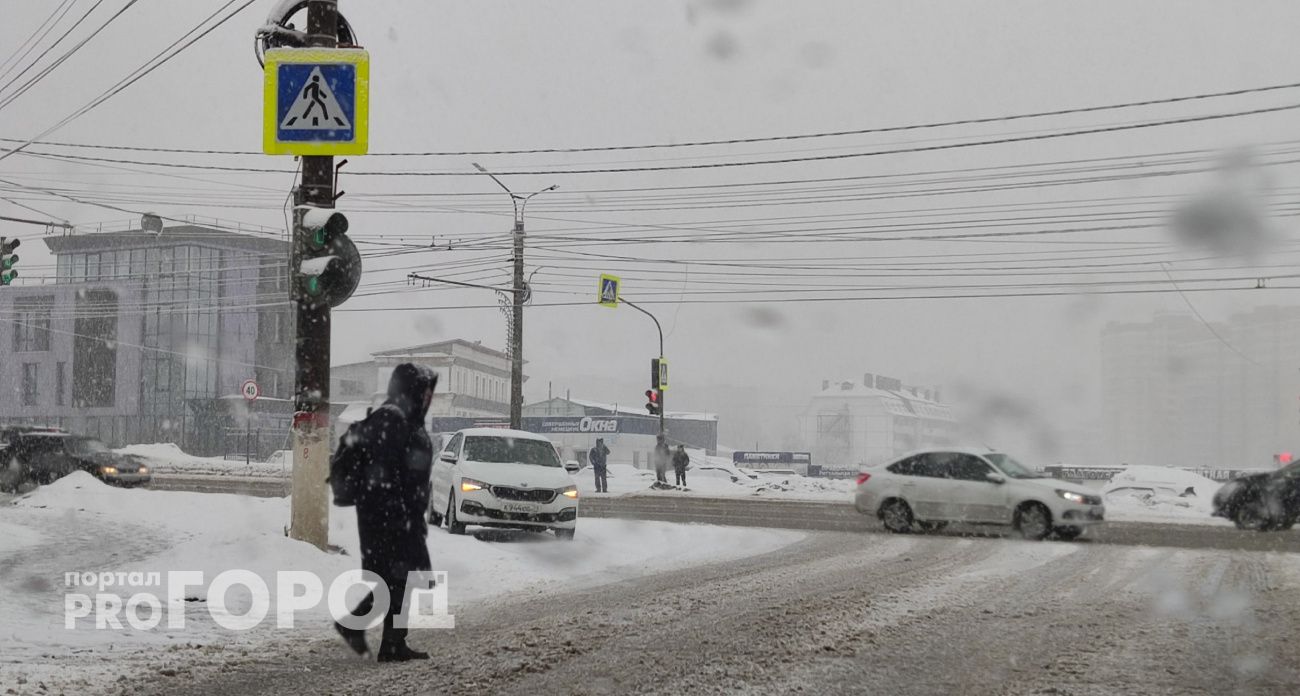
point(8, 259)
point(652, 401)
point(329, 268)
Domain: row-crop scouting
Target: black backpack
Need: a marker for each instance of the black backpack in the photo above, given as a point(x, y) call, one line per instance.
point(348, 465)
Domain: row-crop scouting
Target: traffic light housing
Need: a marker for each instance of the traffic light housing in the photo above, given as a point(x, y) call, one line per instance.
point(8, 259)
point(652, 401)
point(329, 268)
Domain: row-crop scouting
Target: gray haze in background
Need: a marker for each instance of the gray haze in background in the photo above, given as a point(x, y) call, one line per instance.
point(489, 75)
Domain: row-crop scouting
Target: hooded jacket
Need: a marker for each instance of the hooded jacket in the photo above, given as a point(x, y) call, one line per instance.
point(394, 495)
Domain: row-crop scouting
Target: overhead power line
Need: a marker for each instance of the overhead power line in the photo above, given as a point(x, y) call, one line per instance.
point(720, 165)
point(731, 141)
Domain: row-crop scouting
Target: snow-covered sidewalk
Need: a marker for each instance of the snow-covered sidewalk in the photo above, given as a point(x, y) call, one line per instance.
point(80, 525)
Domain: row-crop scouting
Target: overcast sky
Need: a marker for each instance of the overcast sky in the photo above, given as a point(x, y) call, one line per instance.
point(481, 75)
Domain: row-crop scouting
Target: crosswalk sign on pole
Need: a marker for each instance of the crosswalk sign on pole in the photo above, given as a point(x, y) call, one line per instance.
point(316, 101)
point(608, 290)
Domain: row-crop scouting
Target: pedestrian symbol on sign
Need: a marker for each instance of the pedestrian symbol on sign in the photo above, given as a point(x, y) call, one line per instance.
point(609, 290)
point(315, 108)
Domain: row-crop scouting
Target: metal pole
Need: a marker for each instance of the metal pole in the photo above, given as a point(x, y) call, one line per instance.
point(661, 355)
point(309, 503)
point(517, 297)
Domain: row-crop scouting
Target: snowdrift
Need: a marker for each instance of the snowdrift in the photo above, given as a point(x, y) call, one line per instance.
point(1158, 493)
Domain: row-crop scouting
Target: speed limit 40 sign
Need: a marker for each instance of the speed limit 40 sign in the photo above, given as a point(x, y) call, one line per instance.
point(250, 390)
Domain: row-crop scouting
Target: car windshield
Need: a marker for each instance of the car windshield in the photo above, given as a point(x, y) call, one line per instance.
point(1011, 467)
point(511, 450)
point(85, 445)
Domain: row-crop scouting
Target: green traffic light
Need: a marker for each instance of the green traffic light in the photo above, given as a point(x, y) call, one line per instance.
point(318, 237)
point(10, 261)
point(313, 285)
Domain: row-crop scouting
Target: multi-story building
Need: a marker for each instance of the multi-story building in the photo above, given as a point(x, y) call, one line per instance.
point(474, 379)
point(142, 336)
point(1179, 392)
point(850, 424)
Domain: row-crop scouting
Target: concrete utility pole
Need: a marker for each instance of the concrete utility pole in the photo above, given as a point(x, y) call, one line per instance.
point(520, 291)
point(309, 504)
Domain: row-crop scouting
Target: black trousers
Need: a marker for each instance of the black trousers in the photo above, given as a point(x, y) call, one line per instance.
point(681, 477)
point(394, 638)
point(602, 479)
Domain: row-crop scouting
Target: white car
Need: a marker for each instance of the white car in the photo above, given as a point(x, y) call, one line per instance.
point(494, 477)
point(927, 490)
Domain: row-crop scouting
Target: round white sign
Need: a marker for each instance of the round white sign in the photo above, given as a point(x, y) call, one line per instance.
point(250, 390)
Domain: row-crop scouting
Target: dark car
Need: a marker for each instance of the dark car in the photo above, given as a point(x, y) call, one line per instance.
point(43, 456)
point(1263, 502)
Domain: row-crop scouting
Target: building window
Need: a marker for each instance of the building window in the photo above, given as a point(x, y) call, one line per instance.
point(32, 332)
point(29, 383)
point(60, 382)
point(94, 361)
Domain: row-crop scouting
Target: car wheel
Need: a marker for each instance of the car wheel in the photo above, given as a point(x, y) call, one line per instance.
point(1252, 517)
point(1034, 521)
point(932, 527)
point(897, 517)
point(454, 526)
point(1069, 533)
point(565, 534)
point(434, 517)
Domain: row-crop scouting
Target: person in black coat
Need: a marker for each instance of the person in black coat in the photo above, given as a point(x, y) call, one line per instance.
point(599, 458)
point(392, 501)
point(680, 461)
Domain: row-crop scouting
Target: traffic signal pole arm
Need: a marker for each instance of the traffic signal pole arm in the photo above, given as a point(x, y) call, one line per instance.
point(652, 318)
point(661, 354)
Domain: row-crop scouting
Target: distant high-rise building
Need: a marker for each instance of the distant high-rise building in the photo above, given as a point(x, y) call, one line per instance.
point(1178, 392)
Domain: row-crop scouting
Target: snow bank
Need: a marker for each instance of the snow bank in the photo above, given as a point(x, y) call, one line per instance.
point(78, 524)
point(719, 477)
point(167, 458)
point(1160, 494)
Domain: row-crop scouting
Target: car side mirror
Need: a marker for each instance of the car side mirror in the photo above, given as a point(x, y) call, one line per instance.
point(572, 466)
point(448, 457)
point(995, 478)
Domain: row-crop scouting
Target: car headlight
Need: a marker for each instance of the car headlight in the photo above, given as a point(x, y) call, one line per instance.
point(570, 492)
point(1073, 497)
point(110, 470)
point(144, 469)
point(468, 484)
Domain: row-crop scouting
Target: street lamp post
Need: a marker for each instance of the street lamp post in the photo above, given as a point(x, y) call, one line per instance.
point(517, 311)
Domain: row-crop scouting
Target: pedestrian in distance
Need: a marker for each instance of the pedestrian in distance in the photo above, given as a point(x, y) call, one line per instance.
point(661, 459)
point(382, 466)
point(681, 460)
point(599, 458)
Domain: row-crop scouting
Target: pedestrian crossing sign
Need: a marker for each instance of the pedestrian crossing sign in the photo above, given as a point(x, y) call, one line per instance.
point(316, 101)
point(608, 290)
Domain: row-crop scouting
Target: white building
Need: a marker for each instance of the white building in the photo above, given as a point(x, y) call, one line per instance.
point(850, 424)
point(474, 380)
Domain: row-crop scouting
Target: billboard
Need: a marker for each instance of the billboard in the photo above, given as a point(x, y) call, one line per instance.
point(772, 459)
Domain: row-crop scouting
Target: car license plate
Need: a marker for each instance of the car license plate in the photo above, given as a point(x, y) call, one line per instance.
point(519, 507)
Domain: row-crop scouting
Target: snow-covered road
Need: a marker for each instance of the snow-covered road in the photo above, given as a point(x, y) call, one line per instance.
point(846, 613)
point(79, 525)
